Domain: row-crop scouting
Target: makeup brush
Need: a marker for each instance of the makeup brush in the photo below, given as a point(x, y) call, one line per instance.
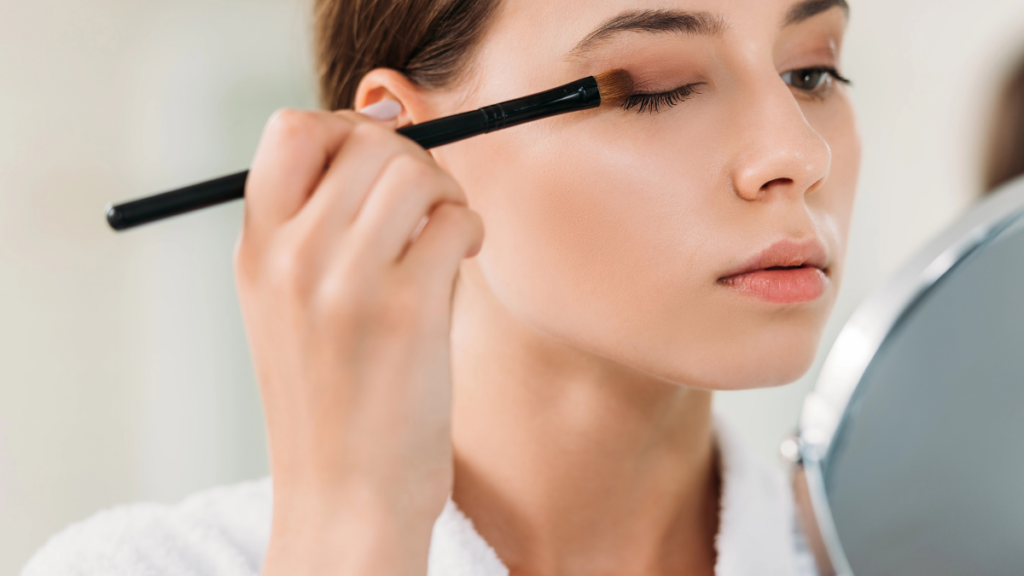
point(609, 88)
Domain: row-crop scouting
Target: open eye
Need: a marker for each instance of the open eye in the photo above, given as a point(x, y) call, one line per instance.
point(812, 79)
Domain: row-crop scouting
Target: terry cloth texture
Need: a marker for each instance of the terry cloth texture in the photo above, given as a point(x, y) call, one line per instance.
point(224, 532)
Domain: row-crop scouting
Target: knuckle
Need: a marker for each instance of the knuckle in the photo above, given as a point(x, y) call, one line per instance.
point(288, 271)
point(287, 122)
point(291, 125)
point(340, 300)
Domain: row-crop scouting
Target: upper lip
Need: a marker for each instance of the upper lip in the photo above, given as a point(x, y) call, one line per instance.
point(785, 254)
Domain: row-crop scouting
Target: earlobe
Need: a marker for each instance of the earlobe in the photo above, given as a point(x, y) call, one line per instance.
point(385, 84)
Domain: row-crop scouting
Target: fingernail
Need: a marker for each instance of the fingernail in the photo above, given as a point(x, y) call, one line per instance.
point(383, 110)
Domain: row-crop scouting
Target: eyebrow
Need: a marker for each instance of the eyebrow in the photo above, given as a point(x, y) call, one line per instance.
point(810, 8)
point(654, 21)
point(689, 23)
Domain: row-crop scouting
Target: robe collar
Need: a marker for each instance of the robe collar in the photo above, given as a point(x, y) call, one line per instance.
point(755, 533)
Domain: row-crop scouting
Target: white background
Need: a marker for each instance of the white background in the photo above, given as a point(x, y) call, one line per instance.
point(124, 373)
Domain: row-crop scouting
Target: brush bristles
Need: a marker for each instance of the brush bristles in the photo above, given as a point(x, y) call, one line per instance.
point(615, 86)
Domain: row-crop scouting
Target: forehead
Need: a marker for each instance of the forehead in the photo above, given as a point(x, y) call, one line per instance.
point(552, 28)
point(558, 25)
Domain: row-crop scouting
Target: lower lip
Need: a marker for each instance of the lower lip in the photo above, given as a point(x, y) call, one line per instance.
point(791, 286)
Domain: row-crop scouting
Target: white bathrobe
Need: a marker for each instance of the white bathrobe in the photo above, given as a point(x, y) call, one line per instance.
point(224, 532)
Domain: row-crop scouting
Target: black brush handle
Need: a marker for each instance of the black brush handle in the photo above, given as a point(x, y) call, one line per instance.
point(579, 95)
point(228, 188)
point(160, 206)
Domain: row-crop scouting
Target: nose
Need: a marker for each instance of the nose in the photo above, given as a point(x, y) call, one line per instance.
point(780, 153)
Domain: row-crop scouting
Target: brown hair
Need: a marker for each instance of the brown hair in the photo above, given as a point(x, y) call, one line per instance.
point(1005, 158)
point(427, 40)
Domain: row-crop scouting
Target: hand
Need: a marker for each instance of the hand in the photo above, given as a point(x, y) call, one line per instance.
point(348, 310)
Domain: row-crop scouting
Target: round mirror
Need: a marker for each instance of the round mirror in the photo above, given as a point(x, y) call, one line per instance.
point(912, 443)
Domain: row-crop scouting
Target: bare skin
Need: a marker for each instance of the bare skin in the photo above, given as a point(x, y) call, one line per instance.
point(558, 383)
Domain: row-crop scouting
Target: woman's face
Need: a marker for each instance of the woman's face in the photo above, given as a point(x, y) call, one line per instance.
point(626, 232)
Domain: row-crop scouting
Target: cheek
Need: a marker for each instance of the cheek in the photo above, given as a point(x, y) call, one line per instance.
point(606, 239)
point(584, 213)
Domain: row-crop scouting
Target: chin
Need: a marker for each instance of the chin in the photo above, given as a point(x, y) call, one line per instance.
point(773, 352)
point(772, 357)
point(769, 366)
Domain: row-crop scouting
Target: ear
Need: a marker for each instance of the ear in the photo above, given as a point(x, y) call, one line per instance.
point(386, 84)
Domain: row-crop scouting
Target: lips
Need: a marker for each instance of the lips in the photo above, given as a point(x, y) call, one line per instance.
point(787, 272)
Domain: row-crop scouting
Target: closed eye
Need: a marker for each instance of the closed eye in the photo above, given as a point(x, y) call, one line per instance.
point(651, 103)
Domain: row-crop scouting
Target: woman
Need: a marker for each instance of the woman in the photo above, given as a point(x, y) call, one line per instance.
point(555, 379)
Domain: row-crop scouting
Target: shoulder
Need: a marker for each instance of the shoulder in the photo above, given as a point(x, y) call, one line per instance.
point(221, 532)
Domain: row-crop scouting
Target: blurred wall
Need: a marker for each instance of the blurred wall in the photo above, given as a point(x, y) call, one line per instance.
point(124, 372)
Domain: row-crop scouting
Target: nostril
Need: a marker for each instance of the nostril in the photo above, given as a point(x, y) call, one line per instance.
point(777, 182)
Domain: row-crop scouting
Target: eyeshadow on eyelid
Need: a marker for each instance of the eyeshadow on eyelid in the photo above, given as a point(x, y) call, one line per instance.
point(652, 83)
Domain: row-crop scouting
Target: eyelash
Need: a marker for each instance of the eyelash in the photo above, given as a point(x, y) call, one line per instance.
point(652, 103)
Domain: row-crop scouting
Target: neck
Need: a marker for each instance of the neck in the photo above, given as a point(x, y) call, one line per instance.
point(571, 464)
